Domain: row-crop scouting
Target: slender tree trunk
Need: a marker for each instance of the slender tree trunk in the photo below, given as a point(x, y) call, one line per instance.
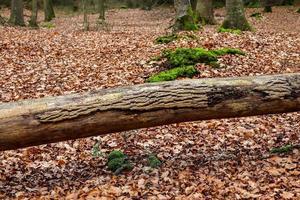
point(235, 16)
point(268, 5)
point(101, 10)
point(205, 11)
point(49, 11)
point(86, 25)
point(34, 14)
point(53, 119)
point(185, 17)
point(16, 13)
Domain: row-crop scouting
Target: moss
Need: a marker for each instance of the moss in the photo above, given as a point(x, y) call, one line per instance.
point(116, 154)
point(256, 15)
point(228, 30)
point(166, 39)
point(117, 162)
point(153, 161)
point(283, 149)
point(172, 74)
point(48, 25)
point(191, 56)
point(224, 51)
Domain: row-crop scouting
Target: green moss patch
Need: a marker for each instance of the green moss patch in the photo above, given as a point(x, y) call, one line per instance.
point(166, 39)
point(284, 149)
point(191, 56)
point(153, 161)
point(172, 74)
point(118, 162)
point(227, 30)
point(48, 25)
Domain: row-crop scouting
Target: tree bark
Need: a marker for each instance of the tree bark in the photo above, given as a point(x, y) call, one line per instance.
point(185, 18)
point(16, 13)
point(235, 16)
point(53, 119)
point(205, 11)
point(34, 13)
point(49, 11)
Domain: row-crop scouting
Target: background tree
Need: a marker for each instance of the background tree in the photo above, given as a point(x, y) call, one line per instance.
point(235, 16)
point(34, 13)
point(185, 17)
point(16, 13)
point(101, 11)
point(205, 11)
point(48, 10)
point(85, 15)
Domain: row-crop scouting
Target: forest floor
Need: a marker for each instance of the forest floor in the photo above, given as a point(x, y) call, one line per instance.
point(214, 159)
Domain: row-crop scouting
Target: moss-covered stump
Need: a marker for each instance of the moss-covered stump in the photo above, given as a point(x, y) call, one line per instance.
point(191, 56)
point(173, 74)
point(235, 17)
point(185, 16)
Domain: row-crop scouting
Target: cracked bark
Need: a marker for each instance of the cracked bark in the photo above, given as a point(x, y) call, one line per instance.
point(53, 119)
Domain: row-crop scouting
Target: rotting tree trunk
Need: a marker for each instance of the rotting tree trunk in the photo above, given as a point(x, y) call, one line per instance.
point(16, 13)
point(34, 13)
point(41, 121)
point(235, 16)
point(48, 10)
point(185, 18)
point(205, 11)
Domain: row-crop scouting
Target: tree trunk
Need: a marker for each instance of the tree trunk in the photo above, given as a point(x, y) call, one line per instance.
point(185, 18)
point(205, 11)
point(101, 10)
point(34, 13)
point(53, 119)
point(49, 11)
point(235, 16)
point(86, 25)
point(16, 13)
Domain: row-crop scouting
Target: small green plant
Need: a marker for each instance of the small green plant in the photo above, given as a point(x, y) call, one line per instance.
point(48, 25)
point(283, 149)
point(118, 162)
point(172, 74)
point(256, 15)
point(153, 161)
point(96, 151)
point(227, 30)
point(166, 39)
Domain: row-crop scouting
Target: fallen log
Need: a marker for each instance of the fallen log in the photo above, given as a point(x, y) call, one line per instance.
point(41, 121)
